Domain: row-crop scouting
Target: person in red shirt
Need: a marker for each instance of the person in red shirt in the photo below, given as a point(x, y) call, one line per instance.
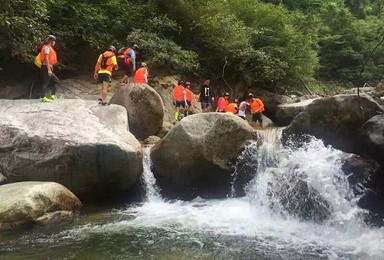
point(257, 107)
point(48, 59)
point(141, 75)
point(180, 95)
point(189, 97)
point(222, 103)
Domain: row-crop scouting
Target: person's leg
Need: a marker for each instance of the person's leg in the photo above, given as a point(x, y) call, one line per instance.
point(104, 91)
point(45, 80)
point(177, 109)
point(260, 119)
point(54, 83)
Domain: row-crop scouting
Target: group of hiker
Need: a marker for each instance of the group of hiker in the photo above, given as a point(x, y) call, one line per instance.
point(110, 60)
point(106, 63)
point(183, 98)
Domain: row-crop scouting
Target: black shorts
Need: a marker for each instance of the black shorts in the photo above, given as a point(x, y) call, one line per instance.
point(104, 77)
point(180, 103)
point(128, 68)
point(257, 117)
point(189, 103)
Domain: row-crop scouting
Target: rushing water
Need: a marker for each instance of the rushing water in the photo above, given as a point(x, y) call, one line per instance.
point(298, 206)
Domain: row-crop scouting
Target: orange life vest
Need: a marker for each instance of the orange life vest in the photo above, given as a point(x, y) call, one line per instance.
point(256, 106)
point(108, 55)
point(141, 75)
point(222, 104)
point(124, 56)
point(52, 57)
point(232, 108)
point(178, 92)
point(189, 95)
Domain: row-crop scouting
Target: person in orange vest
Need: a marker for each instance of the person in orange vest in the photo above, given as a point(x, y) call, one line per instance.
point(257, 108)
point(48, 59)
point(189, 98)
point(141, 75)
point(222, 103)
point(233, 108)
point(127, 61)
point(103, 71)
point(180, 95)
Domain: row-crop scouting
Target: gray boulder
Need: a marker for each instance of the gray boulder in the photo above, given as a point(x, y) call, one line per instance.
point(336, 120)
point(195, 158)
point(144, 106)
point(84, 146)
point(25, 203)
point(165, 129)
point(373, 137)
point(285, 113)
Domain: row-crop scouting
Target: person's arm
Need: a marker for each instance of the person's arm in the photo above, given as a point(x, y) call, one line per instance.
point(46, 60)
point(114, 61)
point(146, 76)
point(211, 92)
point(96, 68)
point(185, 96)
point(133, 59)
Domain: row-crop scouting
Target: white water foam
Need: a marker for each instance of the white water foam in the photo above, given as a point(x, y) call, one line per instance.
point(261, 216)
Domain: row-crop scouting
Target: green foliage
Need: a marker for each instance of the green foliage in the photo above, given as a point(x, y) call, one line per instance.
point(277, 44)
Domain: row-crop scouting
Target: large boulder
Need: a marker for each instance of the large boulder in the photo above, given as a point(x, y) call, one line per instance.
point(82, 145)
point(373, 138)
point(144, 106)
point(336, 120)
point(26, 203)
point(195, 158)
point(285, 113)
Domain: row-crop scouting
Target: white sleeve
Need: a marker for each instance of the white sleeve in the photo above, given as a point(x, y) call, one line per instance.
point(46, 50)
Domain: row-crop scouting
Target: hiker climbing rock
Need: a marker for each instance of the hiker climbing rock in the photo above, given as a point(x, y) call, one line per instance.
point(141, 75)
point(48, 59)
point(222, 103)
point(180, 95)
point(127, 61)
point(103, 71)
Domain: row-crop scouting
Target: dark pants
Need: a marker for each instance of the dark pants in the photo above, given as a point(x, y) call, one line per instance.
point(48, 81)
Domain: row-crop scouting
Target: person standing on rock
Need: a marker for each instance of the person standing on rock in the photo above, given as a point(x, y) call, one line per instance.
point(180, 95)
point(189, 94)
point(141, 75)
point(257, 108)
point(48, 59)
point(243, 107)
point(206, 96)
point(103, 71)
point(127, 61)
point(222, 103)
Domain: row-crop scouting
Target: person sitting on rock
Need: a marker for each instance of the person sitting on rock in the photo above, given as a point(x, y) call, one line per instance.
point(257, 108)
point(233, 108)
point(189, 98)
point(127, 61)
point(180, 95)
point(103, 71)
point(222, 103)
point(141, 75)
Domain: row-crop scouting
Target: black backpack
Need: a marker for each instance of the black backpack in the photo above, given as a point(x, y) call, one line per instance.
point(104, 61)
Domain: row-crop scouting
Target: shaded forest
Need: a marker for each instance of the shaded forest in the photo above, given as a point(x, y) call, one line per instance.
point(280, 45)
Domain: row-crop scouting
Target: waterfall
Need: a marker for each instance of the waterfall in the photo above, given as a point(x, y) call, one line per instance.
point(152, 191)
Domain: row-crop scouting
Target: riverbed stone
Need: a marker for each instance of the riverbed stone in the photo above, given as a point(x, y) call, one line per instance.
point(373, 137)
point(336, 120)
point(195, 158)
point(82, 145)
point(144, 106)
point(285, 113)
point(25, 203)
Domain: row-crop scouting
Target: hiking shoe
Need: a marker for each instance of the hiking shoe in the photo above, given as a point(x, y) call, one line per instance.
point(45, 99)
point(53, 97)
point(105, 103)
